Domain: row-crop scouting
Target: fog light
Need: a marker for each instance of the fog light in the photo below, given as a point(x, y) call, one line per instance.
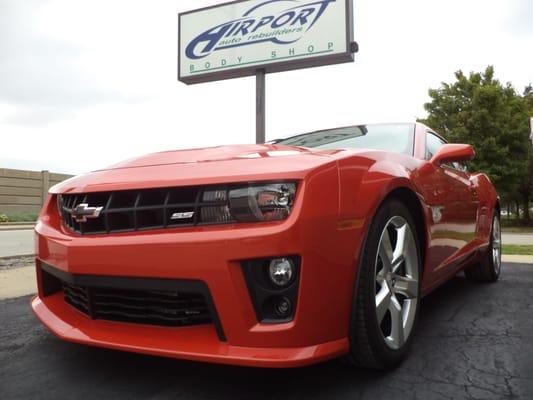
point(283, 307)
point(281, 271)
point(273, 284)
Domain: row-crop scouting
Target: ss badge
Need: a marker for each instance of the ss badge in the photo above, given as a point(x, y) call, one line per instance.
point(182, 215)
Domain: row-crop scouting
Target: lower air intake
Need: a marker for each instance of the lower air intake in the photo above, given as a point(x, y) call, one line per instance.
point(148, 301)
point(142, 307)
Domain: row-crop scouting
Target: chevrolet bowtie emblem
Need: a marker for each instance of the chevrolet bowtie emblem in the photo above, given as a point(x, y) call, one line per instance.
point(82, 212)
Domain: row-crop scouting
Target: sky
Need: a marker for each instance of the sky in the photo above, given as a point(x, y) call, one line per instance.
point(84, 84)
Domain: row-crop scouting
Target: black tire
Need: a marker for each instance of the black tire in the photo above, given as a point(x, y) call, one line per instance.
point(368, 348)
point(487, 271)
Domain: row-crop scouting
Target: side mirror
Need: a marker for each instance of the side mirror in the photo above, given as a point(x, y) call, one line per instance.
point(453, 153)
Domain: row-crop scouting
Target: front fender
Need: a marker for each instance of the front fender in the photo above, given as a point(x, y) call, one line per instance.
point(488, 199)
point(363, 187)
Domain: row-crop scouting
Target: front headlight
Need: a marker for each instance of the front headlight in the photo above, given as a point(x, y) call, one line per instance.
point(250, 203)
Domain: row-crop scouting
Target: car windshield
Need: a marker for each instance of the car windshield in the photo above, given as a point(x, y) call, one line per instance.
point(397, 138)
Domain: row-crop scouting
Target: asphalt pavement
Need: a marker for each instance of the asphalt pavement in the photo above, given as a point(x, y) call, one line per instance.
point(474, 341)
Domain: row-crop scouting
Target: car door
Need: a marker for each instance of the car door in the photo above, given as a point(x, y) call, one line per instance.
point(448, 191)
point(468, 202)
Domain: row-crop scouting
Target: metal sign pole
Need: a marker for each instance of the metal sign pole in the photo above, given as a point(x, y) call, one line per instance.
point(260, 120)
point(329, 42)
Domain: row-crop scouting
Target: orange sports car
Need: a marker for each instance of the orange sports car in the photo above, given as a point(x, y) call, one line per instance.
point(278, 255)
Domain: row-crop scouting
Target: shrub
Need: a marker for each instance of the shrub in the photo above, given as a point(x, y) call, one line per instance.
point(20, 217)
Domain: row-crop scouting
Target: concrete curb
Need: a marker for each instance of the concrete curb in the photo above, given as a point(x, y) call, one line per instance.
point(505, 258)
point(21, 281)
point(17, 256)
point(21, 227)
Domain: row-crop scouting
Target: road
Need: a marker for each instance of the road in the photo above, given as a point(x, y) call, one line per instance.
point(518, 238)
point(16, 243)
point(20, 242)
point(473, 341)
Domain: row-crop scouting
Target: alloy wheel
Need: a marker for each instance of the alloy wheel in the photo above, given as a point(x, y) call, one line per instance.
point(496, 245)
point(397, 282)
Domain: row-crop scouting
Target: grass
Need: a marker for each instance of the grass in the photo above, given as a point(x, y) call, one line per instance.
point(463, 236)
point(20, 217)
point(518, 250)
point(517, 229)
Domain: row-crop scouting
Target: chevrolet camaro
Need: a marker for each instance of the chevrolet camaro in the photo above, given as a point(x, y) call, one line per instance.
point(286, 254)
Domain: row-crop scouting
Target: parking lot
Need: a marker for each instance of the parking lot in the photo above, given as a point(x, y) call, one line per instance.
point(473, 342)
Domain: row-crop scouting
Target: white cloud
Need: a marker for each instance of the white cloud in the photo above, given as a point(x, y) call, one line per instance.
point(86, 84)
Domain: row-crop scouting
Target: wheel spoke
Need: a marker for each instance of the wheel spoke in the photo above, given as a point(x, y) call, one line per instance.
point(403, 242)
point(383, 300)
point(385, 251)
point(496, 244)
point(397, 263)
point(380, 277)
point(397, 333)
point(497, 238)
point(406, 286)
point(399, 249)
point(396, 280)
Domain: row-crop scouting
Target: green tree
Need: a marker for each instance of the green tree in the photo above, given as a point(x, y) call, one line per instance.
point(494, 118)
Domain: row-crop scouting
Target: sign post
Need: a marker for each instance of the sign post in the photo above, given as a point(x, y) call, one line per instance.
point(256, 37)
point(260, 107)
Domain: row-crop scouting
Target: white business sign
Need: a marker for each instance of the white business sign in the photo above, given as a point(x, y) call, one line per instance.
point(235, 39)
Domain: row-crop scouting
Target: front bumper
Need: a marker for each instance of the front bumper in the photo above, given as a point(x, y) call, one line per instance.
point(198, 343)
point(213, 255)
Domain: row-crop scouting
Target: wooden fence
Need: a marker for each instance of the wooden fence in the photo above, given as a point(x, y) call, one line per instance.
point(25, 191)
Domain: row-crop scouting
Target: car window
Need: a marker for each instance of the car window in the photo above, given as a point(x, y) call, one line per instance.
point(397, 138)
point(460, 166)
point(433, 144)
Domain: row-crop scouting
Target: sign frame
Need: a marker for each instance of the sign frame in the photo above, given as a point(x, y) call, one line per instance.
point(271, 67)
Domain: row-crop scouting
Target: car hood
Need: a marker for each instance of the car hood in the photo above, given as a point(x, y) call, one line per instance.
point(225, 164)
point(211, 154)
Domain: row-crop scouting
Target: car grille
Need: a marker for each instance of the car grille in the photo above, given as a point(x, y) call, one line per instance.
point(133, 210)
point(149, 301)
point(151, 307)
